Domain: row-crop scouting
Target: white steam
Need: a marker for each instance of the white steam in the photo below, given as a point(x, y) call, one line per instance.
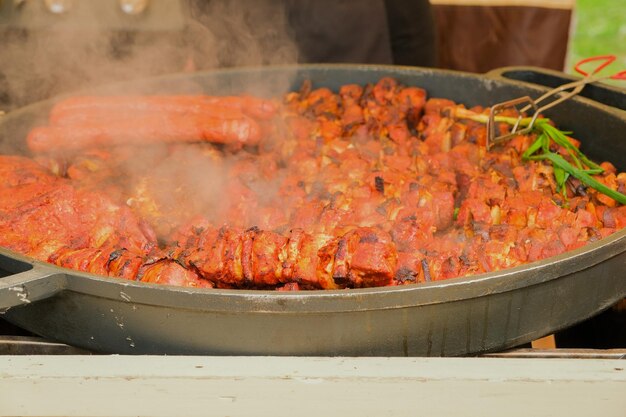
point(43, 55)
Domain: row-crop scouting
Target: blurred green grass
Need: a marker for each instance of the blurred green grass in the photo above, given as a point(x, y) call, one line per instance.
point(599, 28)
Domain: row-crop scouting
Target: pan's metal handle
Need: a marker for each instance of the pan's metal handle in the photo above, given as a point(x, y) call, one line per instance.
point(29, 286)
point(605, 94)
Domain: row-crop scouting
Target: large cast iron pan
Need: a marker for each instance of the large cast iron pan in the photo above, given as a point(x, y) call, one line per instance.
point(460, 316)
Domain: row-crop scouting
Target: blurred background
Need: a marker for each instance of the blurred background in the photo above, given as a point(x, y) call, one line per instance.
point(48, 47)
point(479, 35)
point(599, 28)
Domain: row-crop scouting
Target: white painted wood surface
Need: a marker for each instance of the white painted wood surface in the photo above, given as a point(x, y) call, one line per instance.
point(272, 386)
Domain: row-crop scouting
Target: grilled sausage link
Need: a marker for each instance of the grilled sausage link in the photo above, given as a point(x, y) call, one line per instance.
point(99, 121)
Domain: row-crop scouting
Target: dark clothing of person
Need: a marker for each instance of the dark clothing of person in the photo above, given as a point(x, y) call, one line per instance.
point(400, 32)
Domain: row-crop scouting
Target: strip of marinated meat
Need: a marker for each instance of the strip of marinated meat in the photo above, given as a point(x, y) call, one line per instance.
point(256, 258)
point(106, 260)
point(169, 272)
point(43, 213)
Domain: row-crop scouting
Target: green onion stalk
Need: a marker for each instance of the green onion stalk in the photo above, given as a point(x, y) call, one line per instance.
point(580, 166)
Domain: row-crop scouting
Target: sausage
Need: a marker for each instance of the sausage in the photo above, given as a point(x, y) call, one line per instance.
point(252, 106)
point(145, 129)
point(101, 108)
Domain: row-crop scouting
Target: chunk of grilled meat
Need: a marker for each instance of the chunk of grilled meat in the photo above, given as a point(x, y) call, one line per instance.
point(41, 213)
point(254, 258)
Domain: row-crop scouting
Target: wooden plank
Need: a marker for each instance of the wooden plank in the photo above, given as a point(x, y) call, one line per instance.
point(272, 386)
point(547, 342)
point(563, 353)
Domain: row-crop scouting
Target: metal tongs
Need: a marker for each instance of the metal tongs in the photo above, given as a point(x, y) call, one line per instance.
point(556, 95)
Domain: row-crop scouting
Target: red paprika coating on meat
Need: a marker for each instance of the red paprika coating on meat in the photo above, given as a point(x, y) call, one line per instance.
point(374, 185)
